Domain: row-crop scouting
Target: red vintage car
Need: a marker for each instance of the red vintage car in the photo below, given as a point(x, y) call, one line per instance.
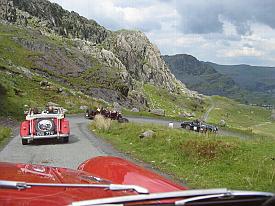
point(109, 181)
point(45, 123)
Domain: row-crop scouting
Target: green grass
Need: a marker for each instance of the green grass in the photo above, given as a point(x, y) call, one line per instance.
point(173, 104)
point(21, 91)
point(267, 129)
point(237, 115)
point(202, 161)
point(147, 114)
point(4, 133)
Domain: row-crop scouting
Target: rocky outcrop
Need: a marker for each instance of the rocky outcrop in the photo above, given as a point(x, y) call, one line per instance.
point(142, 59)
point(86, 56)
point(50, 17)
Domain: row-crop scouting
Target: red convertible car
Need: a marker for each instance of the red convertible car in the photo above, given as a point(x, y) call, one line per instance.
point(45, 123)
point(109, 181)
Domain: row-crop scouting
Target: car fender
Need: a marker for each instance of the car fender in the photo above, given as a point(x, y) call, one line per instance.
point(65, 126)
point(121, 171)
point(25, 129)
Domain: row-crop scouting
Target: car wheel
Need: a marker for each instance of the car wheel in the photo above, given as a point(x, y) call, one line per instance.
point(24, 141)
point(65, 139)
point(123, 120)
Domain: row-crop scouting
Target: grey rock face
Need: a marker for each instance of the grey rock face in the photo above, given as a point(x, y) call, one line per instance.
point(142, 59)
point(109, 65)
point(7, 11)
point(62, 22)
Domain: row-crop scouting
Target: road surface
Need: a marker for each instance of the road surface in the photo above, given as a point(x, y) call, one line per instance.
point(212, 106)
point(82, 146)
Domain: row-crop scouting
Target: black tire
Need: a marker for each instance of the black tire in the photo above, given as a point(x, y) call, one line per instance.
point(123, 120)
point(65, 139)
point(24, 141)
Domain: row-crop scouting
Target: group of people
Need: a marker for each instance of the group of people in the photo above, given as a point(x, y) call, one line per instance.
point(48, 110)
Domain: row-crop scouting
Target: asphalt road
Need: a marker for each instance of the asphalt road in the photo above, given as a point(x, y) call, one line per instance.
point(82, 146)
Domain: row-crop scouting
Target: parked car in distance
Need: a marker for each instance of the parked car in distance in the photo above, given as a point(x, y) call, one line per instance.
point(45, 123)
point(199, 126)
point(109, 181)
point(113, 115)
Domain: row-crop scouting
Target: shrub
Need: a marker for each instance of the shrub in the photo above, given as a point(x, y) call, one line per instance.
point(101, 123)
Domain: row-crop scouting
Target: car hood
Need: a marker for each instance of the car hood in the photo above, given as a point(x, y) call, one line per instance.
point(50, 195)
point(100, 170)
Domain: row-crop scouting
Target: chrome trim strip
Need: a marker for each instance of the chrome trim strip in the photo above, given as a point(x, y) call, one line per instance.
point(169, 195)
point(45, 137)
point(39, 116)
point(154, 196)
point(114, 187)
point(204, 197)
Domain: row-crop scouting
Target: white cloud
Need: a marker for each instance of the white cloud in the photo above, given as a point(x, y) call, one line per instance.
point(222, 31)
point(242, 52)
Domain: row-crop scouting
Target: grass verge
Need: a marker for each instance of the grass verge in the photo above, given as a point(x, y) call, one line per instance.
point(4, 133)
point(203, 161)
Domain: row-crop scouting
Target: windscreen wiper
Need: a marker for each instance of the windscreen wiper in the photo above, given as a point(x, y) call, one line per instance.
point(189, 195)
point(113, 187)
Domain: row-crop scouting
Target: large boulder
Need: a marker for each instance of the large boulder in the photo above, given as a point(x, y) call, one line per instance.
point(222, 123)
point(148, 133)
point(160, 112)
point(83, 107)
point(134, 110)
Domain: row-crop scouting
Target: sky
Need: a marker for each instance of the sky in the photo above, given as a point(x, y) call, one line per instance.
point(220, 31)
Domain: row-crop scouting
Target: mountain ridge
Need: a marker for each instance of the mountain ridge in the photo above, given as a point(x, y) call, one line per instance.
point(61, 45)
point(244, 83)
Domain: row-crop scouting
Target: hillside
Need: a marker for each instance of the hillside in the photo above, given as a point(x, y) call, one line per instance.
point(254, 79)
point(246, 84)
point(200, 77)
point(61, 46)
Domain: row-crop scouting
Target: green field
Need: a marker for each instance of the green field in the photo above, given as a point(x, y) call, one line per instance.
point(243, 117)
point(202, 161)
point(174, 104)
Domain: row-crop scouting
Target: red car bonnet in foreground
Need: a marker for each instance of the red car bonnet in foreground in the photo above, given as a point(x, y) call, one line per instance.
point(110, 180)
point(100, 170)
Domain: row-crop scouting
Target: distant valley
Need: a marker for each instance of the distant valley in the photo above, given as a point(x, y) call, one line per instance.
point(244, 83)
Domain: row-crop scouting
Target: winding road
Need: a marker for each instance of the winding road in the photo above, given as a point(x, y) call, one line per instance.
point(82, 145)
point(206, 114)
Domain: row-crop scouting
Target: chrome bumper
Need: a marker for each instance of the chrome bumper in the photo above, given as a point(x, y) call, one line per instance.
point(45, 137)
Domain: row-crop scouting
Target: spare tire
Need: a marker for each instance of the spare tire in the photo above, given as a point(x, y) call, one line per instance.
point(45, 125)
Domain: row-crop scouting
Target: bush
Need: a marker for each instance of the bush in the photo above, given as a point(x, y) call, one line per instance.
point(101, 123)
